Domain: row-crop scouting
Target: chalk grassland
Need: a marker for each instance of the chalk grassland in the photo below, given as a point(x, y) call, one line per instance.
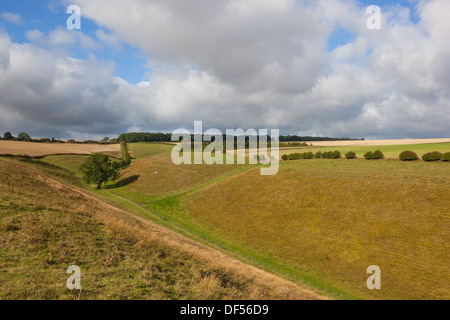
point(328, 222)
point(324, 222)
point(33, 149)
point(48, 224)
point(140, 151)
point(390, 151)
point(158, 175)
point(319, 223)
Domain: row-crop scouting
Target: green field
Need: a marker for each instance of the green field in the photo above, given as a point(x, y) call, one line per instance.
point(319, 222)
point(391, 152)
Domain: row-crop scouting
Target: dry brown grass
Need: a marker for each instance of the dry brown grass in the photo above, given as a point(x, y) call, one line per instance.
point(34, 149)
point(158, 175)
point(47, 224)
point(333, 219)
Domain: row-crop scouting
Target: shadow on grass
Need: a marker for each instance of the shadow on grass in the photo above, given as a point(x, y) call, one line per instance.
point(123, 182)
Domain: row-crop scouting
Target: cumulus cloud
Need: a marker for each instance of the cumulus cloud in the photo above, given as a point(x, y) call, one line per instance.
point(46, 92)
point(11, 17)
point(5, 44)
point(235, 63)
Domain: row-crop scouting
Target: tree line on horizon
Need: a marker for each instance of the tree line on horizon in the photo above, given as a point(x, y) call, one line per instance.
point(25, 137)
point(167, 137)
point(158, 137)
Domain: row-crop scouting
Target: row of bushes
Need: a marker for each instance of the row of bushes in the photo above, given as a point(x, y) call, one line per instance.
point(429, 157)
point(377, 155)
point(310, 155)
point(297, 156)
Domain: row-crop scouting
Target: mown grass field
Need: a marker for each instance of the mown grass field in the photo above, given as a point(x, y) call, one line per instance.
point(391, 152)
point(319, 223)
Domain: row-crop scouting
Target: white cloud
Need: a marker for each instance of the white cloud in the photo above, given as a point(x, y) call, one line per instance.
point(11, 17)
point(5, 45)
point(108, 39)
point(239, 64)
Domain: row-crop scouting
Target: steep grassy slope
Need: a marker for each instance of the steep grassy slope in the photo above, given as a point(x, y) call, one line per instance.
point(322, 222)
point(48, 224)
point(159, 176)
point(329, 221)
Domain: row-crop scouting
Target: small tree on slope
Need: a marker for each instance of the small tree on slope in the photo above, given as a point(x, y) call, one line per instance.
point(98, 169)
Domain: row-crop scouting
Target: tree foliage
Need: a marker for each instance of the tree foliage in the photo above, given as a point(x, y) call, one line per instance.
point(350, 155)
point(432, 156)
point(8, 136)
point(408, 156)
point(98, 169)
point(23, 136)
point(446, 157)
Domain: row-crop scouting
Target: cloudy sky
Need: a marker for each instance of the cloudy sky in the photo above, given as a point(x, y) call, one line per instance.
point(304, 67)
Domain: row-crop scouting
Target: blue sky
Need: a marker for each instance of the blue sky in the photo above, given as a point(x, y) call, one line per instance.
point(45, 16)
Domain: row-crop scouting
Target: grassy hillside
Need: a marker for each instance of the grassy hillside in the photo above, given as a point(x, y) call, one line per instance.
point(48, 224)
point(143, 150)
point(322, 222)
point(330, 221)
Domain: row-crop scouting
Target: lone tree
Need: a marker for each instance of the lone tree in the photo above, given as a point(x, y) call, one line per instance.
point(98, 169)
point(23, 136)
point(8, 136)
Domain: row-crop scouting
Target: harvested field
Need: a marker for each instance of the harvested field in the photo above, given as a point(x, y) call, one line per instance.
point(368, 143)
point(34, 149)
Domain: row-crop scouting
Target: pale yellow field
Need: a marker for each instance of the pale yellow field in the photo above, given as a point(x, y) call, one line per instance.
point(368, 143)
point(34, 149)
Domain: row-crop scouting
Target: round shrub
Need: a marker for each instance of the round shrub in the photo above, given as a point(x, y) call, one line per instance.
point(350, 155)
point(377, 155)
point(432, 156)
point(326, 155)
point(318, 155)
point(446, 157)
point(308, 155)
point(368, 155)
point(284, 157)
point(335, 155)
point(408, 156)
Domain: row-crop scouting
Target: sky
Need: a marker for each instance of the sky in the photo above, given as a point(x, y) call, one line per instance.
point(302, 66)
